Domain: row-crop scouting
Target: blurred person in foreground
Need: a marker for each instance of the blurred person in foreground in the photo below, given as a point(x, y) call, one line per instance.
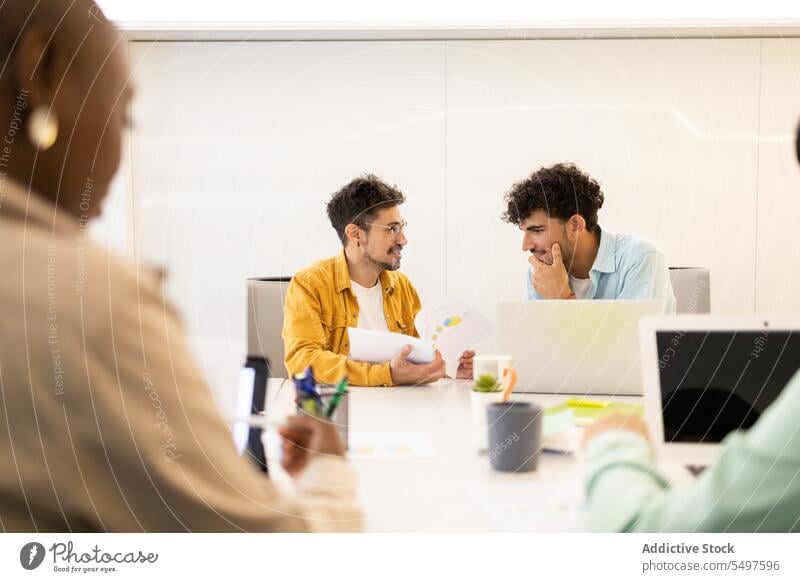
point(106, 423)
point(753, 486)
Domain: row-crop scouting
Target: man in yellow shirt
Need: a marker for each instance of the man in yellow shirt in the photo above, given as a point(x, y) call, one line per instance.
point(360, 287)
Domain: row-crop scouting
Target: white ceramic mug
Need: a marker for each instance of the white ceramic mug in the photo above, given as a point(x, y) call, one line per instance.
point(490, 364)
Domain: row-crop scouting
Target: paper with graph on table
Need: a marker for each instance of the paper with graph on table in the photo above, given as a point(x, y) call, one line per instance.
point(454, 328)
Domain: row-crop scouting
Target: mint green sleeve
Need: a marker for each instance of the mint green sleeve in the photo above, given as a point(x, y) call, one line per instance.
point(753, 486)
point(621, 479)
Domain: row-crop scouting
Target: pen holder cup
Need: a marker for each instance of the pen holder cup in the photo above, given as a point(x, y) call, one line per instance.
point(515, 436)
point(480, 402)
point(341, 415)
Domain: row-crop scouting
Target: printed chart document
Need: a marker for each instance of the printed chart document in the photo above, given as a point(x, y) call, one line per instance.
point(389, 445)
point(454, 328)
point(377, 347)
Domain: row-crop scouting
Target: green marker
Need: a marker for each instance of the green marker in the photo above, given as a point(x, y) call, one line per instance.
point(341, 389)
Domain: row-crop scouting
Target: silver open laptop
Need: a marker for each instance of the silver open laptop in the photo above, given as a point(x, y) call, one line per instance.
point(574, 347)
point(705, 376)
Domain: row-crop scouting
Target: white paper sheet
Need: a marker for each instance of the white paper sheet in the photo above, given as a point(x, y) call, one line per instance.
point(377, 347)
point(389, 445)
point(454, 328)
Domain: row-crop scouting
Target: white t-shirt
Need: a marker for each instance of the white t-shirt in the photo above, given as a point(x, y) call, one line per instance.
point(370, 306)
point(579, 286)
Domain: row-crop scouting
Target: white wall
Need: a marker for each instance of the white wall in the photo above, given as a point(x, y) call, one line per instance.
point(668, 127)
point(238, 145)
point(778, 273)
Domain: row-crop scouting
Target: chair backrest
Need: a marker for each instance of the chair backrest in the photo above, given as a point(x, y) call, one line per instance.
point(265, 296)
point(692, 287)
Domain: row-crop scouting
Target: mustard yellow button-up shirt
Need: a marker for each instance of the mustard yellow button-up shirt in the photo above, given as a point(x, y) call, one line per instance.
point(320, 306)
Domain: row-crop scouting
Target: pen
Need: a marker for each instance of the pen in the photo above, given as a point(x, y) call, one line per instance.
point(580, 403)
point(341, 389)
point(299, 389)
point(512, 380)
point(306, 398)
point(257, 421)
point(311, 389)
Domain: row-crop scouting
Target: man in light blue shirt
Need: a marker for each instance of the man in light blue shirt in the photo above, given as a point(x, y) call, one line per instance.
point(571, 257)
point(754, 485)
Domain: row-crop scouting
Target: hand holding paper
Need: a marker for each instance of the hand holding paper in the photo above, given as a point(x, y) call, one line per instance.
point(404, 372)
point(412, 360)
point(465, 365)
point(378, 347)
point(457, 330)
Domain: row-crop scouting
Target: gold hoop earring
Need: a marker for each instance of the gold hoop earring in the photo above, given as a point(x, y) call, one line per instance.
point(42, 128)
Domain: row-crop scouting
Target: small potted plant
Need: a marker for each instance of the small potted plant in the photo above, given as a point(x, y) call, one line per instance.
point(485, 391)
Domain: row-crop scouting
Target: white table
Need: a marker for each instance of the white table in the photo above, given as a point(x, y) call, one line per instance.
point(455, 490)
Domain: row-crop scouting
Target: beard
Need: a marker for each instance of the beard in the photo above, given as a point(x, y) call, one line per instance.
point(393, 266)
point(567, 254)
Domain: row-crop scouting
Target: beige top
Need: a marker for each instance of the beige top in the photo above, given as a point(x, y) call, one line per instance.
point(106, 424)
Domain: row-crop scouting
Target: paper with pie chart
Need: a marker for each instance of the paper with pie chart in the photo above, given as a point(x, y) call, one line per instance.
point(454, 328)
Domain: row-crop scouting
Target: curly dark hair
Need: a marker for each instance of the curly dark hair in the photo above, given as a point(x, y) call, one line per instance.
point(561, 190)
point(359, 201)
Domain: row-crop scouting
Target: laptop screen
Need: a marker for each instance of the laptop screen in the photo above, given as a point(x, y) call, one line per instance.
point(716, 382)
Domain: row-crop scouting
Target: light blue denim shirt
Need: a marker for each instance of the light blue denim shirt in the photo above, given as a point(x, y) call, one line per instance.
point(626, 267)
point(753, 486)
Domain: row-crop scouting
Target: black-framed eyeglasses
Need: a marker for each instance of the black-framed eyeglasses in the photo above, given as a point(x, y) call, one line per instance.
point(395, 228)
